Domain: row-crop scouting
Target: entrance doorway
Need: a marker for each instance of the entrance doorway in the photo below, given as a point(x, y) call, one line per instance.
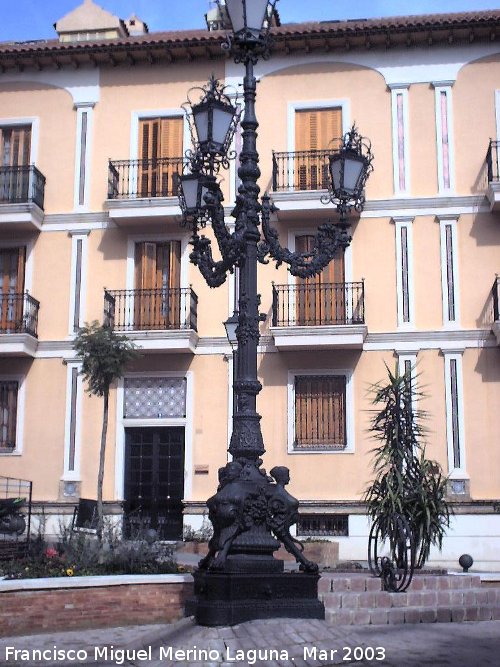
point(154, 480)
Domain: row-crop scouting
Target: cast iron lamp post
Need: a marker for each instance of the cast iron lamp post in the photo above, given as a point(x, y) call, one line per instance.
point(252, 513)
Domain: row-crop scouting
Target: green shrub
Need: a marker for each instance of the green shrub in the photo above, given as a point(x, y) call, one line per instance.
point(81, 554)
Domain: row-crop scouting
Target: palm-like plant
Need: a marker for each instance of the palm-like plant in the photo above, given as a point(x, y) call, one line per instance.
point(105, 355)
point(407, 483)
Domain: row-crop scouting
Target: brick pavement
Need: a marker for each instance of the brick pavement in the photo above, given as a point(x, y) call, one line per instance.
point(295, 643)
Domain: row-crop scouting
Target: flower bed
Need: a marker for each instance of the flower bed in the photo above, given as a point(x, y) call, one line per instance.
point(30, 606)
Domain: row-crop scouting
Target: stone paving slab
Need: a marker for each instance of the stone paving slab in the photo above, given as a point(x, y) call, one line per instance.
point(270, 643)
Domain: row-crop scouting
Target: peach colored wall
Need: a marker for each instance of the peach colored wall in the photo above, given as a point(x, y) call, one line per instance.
point(474, 123)
point(379, 275)
point(51, 283)
point(482, 420)
point(208, 414)
point(45, 409)
point(345, 475)
point(57, 127)
point(370, 108)
point(422, 138)
point(478, 245)
point(127, 90)
point(427, 273)
point(107, 268)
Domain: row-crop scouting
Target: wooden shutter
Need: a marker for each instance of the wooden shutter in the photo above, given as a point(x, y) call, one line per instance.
point(12, 265)
point(15, 146)
point(320, 411)
point(172, 130)
point(15, 151)
point(145, 268)
point(174, 280)
point(321, 298)
point(159, 139)
point(314, 131)
point(148, 152)
point(157, 280)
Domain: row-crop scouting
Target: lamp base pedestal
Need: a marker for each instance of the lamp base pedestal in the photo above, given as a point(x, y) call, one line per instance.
point(228, 598)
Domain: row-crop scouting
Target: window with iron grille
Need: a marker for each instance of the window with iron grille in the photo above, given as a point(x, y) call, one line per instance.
point(320, 412)
point(8, 414)
point(323, 525)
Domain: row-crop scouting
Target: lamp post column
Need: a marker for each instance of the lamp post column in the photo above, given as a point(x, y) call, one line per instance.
point(246, 439)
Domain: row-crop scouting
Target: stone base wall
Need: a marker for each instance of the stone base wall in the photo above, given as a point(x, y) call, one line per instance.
point(35, 606)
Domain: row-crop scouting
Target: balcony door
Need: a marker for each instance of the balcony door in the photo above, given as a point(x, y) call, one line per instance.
point(15, 151)
point(314, 131)
point(321, 299)
point(12, 262)
point(157, 297)
point(160, 140)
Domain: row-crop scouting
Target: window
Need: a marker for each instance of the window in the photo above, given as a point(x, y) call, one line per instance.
point(160, 153)
point(404, 275)
point(8, 414)
point(320, 412)
point(321, 298)
point(315, 129)
point(454, 413)
point(324, 525)
point(12, 263)
point(15, 151)
point(449, 270)
point(15, 145)
point(157, 302)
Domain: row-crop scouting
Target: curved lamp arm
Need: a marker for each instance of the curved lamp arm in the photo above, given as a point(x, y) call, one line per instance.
point(327, 241)
point(230, 245)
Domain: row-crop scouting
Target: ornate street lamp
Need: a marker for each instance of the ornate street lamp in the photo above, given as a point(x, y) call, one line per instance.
point(193, 188)
point(239, 579)
point(248, 18)
point(231, 325)
point(349, 170)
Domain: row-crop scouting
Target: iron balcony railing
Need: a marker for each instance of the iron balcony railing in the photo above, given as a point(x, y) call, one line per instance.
point(492, 161)
point(19, 314)
point(22, 185)
point(151, 309)
point(318, 305)
point(495, 291)
point(301, 170)
point(145, 178)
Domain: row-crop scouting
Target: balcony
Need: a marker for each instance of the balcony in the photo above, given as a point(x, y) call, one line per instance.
point(18, 324)
point(22, 191)
point(495, 293)
point(158, 320)
point(143, 190)
point(324, 316)
point(493, 164)
point(297, 177)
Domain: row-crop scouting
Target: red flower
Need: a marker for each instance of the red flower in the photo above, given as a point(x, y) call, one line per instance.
point(51, 552)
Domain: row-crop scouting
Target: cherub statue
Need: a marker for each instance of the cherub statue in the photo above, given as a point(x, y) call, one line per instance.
point(225, 513)
point(282, 514)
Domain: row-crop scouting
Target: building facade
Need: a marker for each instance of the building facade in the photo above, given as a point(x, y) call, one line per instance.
point(92, 138)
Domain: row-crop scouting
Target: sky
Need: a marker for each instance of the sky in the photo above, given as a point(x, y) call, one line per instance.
point(24, 20)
